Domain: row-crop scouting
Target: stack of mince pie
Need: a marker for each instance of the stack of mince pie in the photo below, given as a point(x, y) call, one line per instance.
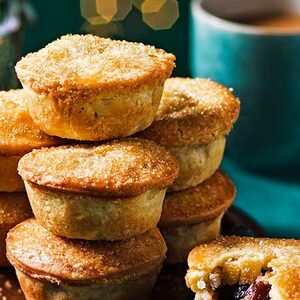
point(193, 119)
point(96, 204)
point(97, 194)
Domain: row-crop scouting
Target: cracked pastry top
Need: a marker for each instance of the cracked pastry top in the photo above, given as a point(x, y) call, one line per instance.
point(85, 64)
point(193, 111)
point(198, 204)
point(124, 168)
point(45, 256)
point(245, 268)
point(18, 132)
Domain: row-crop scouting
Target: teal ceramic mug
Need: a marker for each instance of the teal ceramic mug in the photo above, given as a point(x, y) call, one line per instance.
point(263, 68)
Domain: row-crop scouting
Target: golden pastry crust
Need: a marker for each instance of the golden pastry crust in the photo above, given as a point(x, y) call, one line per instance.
point(89, 217)
point(197, 163)
point(182, 239)
point(199, 204)
point(18, 133)
point(138, 289)
point(90, 88)
point(45, 256)
point(14, 208)
point(193, 111)
point(10, 181)
point(243, 260)
point(123, 168)
point(82, 64)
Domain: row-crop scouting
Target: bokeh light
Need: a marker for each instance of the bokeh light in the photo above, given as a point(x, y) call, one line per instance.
point(158, 14)
point(164, 18)
point(152, 6)
point(137, 3)
point(104, 11)
point(123, 9)
point(106, 8)
point(88, 10)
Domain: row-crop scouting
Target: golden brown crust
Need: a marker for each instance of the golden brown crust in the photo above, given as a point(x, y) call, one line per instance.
point(199, 204)
point(244, 260)
point(82, 65)
point(182, 239)
point(89, 217)
point(90, 88)
point(124, 168)
point(45, 256)
point(103, 116)
point(206, 255)
point(18, 133)
point(14, 208)
point(10, 181)
point(193, 111)
point(197, 163)
point(138, 289)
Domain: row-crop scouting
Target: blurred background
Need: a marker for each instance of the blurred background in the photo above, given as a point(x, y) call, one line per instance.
point(161, 23)
point(263, 152)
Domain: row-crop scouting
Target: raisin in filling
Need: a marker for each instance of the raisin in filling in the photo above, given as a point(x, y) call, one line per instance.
point(259, 291)
point(256, 291)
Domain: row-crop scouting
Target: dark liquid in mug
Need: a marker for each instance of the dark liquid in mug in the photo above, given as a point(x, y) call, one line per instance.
point(286, 21)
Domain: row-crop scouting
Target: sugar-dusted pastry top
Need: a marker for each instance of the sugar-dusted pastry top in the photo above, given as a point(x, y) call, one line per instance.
point(14, 208)
point(198, 204)
point(43, 255)
point(193, 111)
point(85, 62)
point(18, 133)
point(245, 260)
point(124, 168)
